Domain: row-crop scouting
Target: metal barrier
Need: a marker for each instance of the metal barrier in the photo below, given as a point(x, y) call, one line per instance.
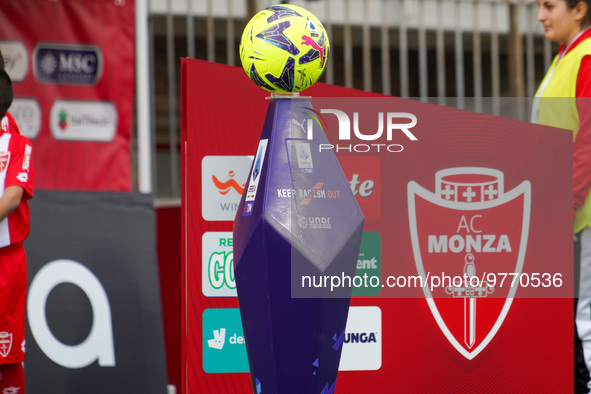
point(444, 51)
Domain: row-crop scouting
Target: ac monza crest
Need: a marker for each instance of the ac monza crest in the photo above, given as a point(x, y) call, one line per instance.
point(4, 156)
point(5, 343)
point(465, 236)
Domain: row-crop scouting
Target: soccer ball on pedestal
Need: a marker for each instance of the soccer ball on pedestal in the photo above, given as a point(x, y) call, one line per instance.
point(284, 49)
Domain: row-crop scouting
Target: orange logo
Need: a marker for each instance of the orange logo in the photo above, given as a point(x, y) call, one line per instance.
point(225, 187)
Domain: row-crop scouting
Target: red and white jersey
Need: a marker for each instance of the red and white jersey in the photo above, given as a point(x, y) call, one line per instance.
point(16, 169)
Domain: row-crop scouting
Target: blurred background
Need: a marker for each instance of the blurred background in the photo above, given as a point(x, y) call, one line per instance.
point(100, 98)
point(424, 49)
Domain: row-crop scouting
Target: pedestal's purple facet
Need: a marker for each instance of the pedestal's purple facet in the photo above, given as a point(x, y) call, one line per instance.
point(298, 219)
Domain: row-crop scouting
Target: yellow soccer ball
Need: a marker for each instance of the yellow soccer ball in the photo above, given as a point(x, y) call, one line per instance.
point(284, 49)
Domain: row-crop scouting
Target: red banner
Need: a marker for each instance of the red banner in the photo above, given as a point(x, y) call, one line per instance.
point(72, 67)
point(509, 214)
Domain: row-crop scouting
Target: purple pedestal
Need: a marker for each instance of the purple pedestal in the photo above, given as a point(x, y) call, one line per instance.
point(298, 219)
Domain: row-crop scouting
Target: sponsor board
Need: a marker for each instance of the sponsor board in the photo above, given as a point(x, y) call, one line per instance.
point(58, 63)
point(223, 341)
point(364, 175)
point(224, 349)
point(16, 59)
point(217, 264)
point(362, 347)
point(83, 120)
point(223, 179)
point(27, 114)
point(369, 262)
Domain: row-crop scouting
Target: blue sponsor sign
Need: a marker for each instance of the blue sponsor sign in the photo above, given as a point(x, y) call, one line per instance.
point(67, 64)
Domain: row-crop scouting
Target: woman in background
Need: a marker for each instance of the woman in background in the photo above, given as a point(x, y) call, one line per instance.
point(564, 100)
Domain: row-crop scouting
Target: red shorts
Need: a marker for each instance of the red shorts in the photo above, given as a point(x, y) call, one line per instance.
point(13, 298)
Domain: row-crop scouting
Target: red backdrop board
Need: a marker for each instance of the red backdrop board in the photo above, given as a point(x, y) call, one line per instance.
point(72, 67)
point(394, 341)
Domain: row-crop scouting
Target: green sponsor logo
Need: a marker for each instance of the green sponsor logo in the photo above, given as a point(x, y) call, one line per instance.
point(369, 263)
point(224, 350)
point(217, 264)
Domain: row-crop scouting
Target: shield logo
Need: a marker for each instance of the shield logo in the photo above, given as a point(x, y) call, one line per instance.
point(4, 156)
point(469, 240)
point(5, 343)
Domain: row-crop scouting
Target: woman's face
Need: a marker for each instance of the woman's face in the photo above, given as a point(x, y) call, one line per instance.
point(561, 24)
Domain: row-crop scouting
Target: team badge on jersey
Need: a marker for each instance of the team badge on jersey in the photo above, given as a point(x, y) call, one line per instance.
point(4, 158)
point(5, 343)
point(4, 123)
point(468, 228)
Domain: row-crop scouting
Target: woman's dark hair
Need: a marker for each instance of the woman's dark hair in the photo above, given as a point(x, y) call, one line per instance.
point(573, 3)
point(5, 93)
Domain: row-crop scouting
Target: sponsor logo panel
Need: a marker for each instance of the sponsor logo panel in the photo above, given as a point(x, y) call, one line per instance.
point(224, 350)
point(67, 64)
point(253, 183)
point(16, 59)
point(364, 175)
point(83, 120)
point(369, 262)
point(223, 179)
point(217, 264)
point(304, 156)
point(27, 114)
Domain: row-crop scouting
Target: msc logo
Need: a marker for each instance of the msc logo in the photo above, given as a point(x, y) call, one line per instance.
point(217, 279)
point(67, 64)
